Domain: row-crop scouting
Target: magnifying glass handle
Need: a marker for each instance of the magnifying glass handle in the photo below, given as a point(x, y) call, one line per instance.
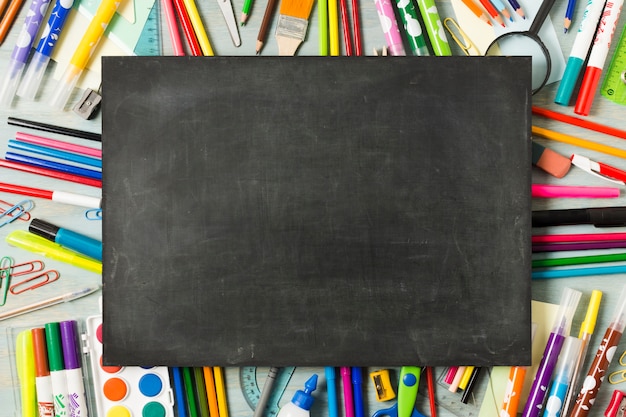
point(542, 14)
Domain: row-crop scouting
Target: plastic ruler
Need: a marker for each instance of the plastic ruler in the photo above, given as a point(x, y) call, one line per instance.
point(614, 84)
point(149, 43)
point(252, 393)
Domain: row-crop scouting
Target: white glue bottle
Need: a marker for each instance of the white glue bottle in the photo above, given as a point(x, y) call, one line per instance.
point(301, 402)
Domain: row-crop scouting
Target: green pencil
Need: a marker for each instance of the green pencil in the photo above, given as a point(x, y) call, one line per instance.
point(245, 11)
point(578, 260)
point(189, 392)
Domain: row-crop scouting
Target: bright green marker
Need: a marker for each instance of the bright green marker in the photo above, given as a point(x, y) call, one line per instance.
point(434, 27)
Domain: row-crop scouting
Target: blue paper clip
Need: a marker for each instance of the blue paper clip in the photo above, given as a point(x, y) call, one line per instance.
point(16, 211)
point(6, 264)
point(93, 214)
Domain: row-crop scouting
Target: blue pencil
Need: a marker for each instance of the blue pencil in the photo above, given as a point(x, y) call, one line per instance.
point(55, 153)
point(569, 14)
point(57, 166)
point(579, 272)
point(179, 392)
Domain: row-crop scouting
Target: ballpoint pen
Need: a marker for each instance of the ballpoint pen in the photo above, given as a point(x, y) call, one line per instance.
point(63, 298)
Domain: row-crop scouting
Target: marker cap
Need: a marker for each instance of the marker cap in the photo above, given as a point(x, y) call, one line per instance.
point(65, 87)
point(44, 229)
point(41, 353)
point(33, 76)
point(10, 83)
point(53, 343)
point(69, 343)
point(568, 82)
point(587, 91)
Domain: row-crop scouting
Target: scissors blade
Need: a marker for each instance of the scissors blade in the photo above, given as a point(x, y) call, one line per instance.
point(229, 16)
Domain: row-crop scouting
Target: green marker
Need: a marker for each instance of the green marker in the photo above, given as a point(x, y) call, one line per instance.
point(412, 26)
point(57, 370)
point(578, 260)
point(434, 27)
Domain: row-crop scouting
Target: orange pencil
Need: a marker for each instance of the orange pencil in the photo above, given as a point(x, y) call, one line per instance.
point(3, 5)
point(492, 11)
point(477, 11)
point(292, 24)
point(9, 18)
point(211, 392)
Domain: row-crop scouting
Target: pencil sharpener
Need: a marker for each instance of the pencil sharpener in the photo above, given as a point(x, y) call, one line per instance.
point(382, 385)
point(617, 405)
point(88, 104)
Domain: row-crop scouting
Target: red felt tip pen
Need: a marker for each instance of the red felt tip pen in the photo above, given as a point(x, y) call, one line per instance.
point(58, 196)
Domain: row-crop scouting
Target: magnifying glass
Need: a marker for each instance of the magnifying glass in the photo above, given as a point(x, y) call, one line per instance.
point(528, 43)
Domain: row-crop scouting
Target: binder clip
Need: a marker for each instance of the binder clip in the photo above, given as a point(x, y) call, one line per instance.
point(617, 405)
point(382, 384)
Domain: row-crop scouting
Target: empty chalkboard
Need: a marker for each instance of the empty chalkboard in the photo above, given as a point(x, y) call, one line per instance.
point(316, 211)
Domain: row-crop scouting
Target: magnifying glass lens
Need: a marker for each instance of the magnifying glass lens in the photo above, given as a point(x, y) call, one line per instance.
point(519, 44)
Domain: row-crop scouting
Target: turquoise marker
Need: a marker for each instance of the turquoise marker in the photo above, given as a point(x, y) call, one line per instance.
point(582, 43)
point(331, 387)
point(434, 27)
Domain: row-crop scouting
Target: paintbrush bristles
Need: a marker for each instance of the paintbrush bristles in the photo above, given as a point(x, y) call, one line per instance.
point(296, 8)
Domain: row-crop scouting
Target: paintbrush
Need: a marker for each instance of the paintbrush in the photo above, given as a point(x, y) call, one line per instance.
point(292, 25)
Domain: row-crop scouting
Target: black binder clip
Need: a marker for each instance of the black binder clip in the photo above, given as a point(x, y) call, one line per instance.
point(88, 104)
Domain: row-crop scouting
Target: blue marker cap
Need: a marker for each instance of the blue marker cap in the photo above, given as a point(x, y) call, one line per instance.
point(304, 399)
point(568, 82)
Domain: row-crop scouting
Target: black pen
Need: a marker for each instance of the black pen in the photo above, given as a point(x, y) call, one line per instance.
point(599, 217)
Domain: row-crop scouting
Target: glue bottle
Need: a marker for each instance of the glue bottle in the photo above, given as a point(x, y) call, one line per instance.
point(301, 402)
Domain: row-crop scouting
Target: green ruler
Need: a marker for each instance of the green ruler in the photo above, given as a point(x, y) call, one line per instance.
point(614, 84)
point(149, 43)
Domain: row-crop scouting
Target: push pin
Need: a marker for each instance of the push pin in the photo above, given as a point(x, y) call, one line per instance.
point(382, 384)
point(88, 104)
point(617, 406)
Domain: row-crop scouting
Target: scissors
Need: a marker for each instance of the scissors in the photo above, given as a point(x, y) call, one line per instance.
point(407, 394)
point(618, 377)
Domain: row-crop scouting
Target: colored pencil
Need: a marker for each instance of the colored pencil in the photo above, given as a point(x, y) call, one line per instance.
point(502, 9)
point(265, 24)
point(492, 12)
point(430, 381)
point(179, 392)
point(189, 392)
point(51, 173)
point(220, 388)
point(557, 247)
point(322, 11)
point(579, 237)
point(211, 393)
point(572, 140)
point(345, 24)
point(200, 391)
point(245, 11)
point(517, 8)
point(576, 121)
point(579, 272)
point(198, 27)
point(569, 14)
point(578, 260)
point(59, 144)
point(172, 27)
point(55, 153)
point(14, 121)
point(57, 166)
point(9, 18)
point(3, 5)
point(356, 28)
point(293, 20)
point(478, 12)
point(188, 31)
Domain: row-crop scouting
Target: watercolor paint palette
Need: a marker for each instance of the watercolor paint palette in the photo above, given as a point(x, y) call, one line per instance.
point(126, 391)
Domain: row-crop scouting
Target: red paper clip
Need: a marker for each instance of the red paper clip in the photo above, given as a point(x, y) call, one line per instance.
point(41, 280)
point(26, 268)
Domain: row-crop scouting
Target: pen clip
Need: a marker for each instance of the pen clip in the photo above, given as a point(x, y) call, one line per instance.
point(466, 43)
point(592, 168)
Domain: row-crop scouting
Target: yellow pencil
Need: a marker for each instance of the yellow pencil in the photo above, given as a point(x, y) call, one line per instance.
point(220, 387)
point(292, 24)
point(198, 27)
point(572, 140)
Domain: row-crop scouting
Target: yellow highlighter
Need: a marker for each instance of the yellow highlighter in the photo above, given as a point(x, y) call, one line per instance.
point(83, 52)
point(25, 359)
point(33, 243)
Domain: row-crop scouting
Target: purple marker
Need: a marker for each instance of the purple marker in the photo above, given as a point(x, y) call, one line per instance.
point(560, 330)
point(25, 41)
point(41, 57)
point(76, 399)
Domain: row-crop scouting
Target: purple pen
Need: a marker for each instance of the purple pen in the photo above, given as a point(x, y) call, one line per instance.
point(39, 62)
point(25, 41)
point(561, 329)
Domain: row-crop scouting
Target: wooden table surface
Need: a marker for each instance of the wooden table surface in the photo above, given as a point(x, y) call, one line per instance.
point(604, 111)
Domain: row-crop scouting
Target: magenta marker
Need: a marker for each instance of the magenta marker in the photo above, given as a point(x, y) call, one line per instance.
point(560, 330)
point(76, 400)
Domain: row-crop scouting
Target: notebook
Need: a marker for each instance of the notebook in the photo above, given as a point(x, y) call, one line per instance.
point(311, 211)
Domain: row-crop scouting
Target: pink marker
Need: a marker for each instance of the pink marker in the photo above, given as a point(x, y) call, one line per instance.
point(389, 24)
point(578, 237)
point(346, 378)
point(552, 191)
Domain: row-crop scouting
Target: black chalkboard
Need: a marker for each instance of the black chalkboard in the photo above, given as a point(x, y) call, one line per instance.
point(316, 211)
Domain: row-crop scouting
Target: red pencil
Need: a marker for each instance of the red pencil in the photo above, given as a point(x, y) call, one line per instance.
point(358, 50)
point(492, 11)
point(579, 122)
point(345, 23)
point(190, 35)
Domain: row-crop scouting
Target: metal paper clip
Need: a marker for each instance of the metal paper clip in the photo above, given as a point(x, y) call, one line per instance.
point(16, 211)
point(5, 277)
point(464, 41)
point(41, 280)
point(24, 217)
point(26, 268)
point(93, 214)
